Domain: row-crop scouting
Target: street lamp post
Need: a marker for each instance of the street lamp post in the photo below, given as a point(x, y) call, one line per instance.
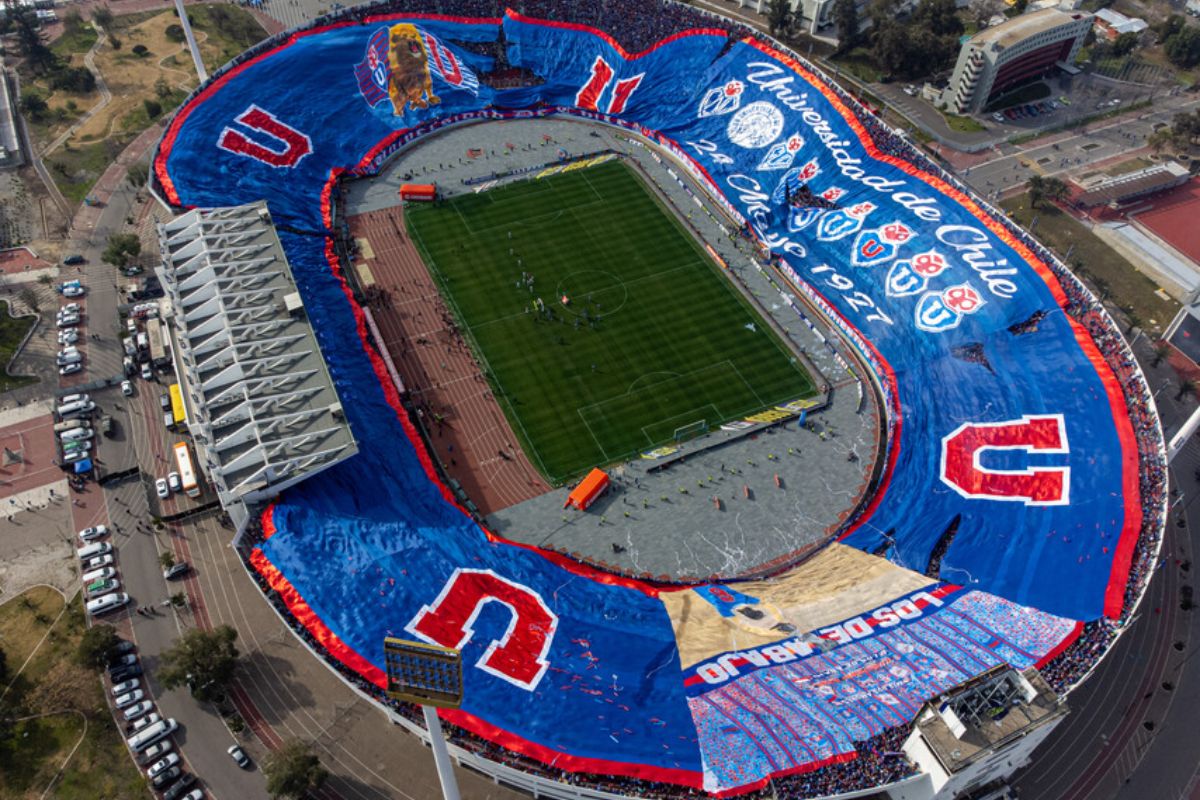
point(430, 676)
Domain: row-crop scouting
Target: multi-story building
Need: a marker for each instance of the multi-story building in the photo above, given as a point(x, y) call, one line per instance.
point(816, 16)
point(999, 59)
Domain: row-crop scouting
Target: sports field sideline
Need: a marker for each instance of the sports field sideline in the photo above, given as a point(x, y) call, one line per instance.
point(603, 326)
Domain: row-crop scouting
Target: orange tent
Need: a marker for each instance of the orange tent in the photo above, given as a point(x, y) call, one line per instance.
point(588, 490)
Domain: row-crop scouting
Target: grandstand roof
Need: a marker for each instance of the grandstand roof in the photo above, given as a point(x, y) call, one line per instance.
point(1135, 184)
point(267, 414)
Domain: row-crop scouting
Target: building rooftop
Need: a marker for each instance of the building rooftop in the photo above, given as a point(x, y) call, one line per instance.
point(1018, 29)
point(986, 713)
point(266, 413)
point(1134, 184)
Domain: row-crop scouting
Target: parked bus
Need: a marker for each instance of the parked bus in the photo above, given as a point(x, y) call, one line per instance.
point(178, 412)
point(187, 475)
point(158, 353)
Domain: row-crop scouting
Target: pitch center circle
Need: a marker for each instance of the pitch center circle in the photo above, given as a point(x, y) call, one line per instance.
point(597, 293)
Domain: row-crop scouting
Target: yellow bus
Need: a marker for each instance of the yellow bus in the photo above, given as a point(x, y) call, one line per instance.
point(177, 409)
point(187, 475)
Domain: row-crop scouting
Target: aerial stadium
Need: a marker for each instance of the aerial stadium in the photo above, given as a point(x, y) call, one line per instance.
point(740, 449)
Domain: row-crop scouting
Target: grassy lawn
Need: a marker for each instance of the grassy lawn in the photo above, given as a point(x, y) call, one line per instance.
point(12, 331)
point(859, 63)
point(69, 697)
point(1132, 165)
point(653, 337)
point(963, 124)
point(1093, 259)
point(162, 74)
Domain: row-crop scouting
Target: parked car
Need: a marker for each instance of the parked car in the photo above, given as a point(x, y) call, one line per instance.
point(162, 765)
point(121, 648)
point(127, 388)
point(66, 320)
point(106, 603)
point(174, 482)
point(142, 722)
point(137, 710)
point(998, 117)
point(129, 698)
point(147, 372)
point(102, 586)
point(68, 336)
point(239, 755)
point(165, 779)
point(164, 401)
point(73, 259)
point(101, 574)
point(96, 562)
point(132, 269)
point(181, 786)
point(125, 686)
point(125, 673)
point(121, 660)
point(73, 291)
point(194, 794)
point(70, 369)
point(176, 570)
point(160, 486)
point(93, 533)
point(155, 752)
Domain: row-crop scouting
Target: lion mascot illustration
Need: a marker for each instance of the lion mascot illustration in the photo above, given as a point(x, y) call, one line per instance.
point(410, 84)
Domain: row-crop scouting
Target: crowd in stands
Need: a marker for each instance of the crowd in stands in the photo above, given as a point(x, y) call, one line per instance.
point(637, 25)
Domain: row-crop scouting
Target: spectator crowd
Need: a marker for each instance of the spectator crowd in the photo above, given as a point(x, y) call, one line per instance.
point(636, 25)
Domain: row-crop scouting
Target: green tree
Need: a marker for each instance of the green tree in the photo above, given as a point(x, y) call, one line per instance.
point(95, 644)
point(31, 39)
point(890, 46)
point(1186, 387)
point(1183, 48)
point(153, 108)
point(939, 17)
point(167, 559)
point(73, 79)
point(1160, 139)
point(845, 17)
point(1170, 26)
point(34, 105)
point(1041, 188)
point(1124, 44)
point(779, 17)
point(121, 249)
point(175, 33)
point(73, 24)
point(204, 661)
point(1161, 351)
point(4, 676)
point(140, 50)
point(293, 770)
point(162, 89)
point(102, 16)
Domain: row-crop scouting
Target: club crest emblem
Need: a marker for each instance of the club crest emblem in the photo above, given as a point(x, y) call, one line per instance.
point(871, 248)
point(801, 218)
point(755, 125)
point(721, 100)
point(843, 222)
point(903, 281)
point(782, 154)
point(937, 312)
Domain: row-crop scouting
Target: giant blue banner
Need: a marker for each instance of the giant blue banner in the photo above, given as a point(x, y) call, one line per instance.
point(1024, 441)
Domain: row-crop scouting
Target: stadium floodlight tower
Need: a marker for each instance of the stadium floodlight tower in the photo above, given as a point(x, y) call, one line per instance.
point(430, 676)
point(970, 740)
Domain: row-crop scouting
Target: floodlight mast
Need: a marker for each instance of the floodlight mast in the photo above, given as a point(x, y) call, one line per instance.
point(430, 676)
point(184, 23)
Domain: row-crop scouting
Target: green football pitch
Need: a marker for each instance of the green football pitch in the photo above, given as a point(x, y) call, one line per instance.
point(652, 342)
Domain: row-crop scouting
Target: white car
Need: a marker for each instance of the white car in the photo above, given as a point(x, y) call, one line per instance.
point(125, 686)
point(67, 320)
point(68, 336)
point(147, 373)
point(93, 533)
point(239, 755)
point(144, 722)
point(127, 388)
point(162, 765)
point(161, 487)
point(73, 291)
point(70, 369)
point(129, 698)
point(106, 603)
point(137, 710)
point(102, 574)
point(174, 482)
point(154, 751)
point(96, 562)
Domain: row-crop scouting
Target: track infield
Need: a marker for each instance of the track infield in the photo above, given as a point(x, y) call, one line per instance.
point(652, 341)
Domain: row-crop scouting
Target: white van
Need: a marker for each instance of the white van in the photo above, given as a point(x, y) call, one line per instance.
point(63, 359)
point(159, 730)
point(76, 408)
point(76, 435)
point(106, 603)
point(73, 398)
point(69, 425)
point(93, 550)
